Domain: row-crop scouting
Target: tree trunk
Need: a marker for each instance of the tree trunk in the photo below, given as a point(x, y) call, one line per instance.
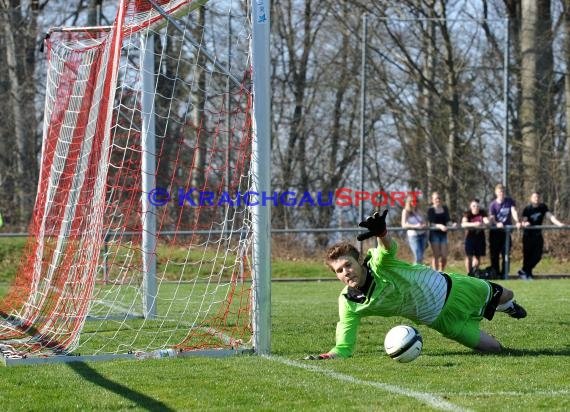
point(199, 100)
point(536, 80)
point(94, 12)
point(515, 178)
point(452, 106)
point(428, 103)
point(21, 130)
point(564, 198)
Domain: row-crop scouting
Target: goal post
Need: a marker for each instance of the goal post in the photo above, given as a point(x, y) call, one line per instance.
point(143, 237)
point(261, 176)
point(148, 173)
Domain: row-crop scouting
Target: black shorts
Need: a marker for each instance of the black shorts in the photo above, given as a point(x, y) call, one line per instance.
point(475, 246)
point(496, 292)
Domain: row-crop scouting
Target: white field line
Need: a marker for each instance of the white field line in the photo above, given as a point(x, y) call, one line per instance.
point(530, 392)
point(430, 399)
point(117, 306)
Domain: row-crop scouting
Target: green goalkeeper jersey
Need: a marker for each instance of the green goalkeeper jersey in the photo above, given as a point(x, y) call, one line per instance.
point(397, 288)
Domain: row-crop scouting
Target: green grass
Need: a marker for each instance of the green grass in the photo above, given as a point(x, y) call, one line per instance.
point(10, 252)
point(532, 375)
point(171, 260)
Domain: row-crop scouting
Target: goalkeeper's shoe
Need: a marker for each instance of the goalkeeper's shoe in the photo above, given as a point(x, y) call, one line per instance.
point(516, 311)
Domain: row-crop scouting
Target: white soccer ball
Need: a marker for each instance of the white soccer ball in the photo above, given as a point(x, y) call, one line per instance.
point(403, 343)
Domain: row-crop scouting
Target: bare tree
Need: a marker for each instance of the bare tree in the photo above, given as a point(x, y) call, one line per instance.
point(438, 83)
point(295, 36)
point(563, 196)
point(19, 30)
point(536, 87)
point(434, 106)
point(94, 12)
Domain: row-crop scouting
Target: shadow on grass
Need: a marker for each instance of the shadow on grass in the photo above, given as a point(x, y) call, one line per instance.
point(143, 401)
point(88, 373)
point(534, 352)
point(508, 352)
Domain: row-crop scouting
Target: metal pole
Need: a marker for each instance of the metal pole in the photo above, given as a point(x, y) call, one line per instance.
point(106, 259)
point(506, 139)
point(362, 114)
point(148, 176)
point(506, 107)
point(507, 250)
point(229, 107)
point(261, 177)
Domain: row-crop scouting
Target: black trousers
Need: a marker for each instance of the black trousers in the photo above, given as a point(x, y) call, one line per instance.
point(497, 240)
point(532, 251)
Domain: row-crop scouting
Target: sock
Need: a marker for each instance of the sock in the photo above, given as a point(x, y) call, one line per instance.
point(505, 306)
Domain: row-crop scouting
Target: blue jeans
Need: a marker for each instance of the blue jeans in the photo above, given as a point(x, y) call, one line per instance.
point(418, 244)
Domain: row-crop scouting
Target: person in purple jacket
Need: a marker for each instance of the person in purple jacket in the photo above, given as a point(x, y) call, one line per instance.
point(502, 212)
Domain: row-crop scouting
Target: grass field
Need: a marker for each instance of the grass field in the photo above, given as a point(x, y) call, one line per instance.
point(533, 375)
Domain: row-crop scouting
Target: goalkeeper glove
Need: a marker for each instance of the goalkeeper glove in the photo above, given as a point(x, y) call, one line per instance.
point(376, 225)
point(320, 357)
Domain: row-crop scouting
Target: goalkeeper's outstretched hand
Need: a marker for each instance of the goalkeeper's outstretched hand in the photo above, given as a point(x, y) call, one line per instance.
point(322, 356)
point(376, 225)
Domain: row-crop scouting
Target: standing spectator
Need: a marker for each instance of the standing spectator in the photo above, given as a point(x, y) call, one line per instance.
point(533, 242)
point(439, 218)
point(414, 220)
point(475, 219)
point(502, 212)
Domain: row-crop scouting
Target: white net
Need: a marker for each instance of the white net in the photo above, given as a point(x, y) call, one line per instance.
point(141, 231)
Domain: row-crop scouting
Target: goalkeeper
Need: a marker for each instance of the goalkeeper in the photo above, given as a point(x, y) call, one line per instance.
point(382, 285)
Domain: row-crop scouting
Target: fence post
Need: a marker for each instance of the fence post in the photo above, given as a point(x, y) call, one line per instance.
point(507, 252)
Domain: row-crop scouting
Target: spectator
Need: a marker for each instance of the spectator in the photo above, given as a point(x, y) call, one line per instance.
point(414, 220)
point(475, 219)
point(438, 218)
point(533, 242)
point(502, 212)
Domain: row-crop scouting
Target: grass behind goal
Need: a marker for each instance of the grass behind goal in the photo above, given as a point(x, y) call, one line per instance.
point(532, 376)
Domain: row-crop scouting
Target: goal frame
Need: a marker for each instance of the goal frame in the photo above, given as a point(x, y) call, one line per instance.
point(261, 213)
point(261, 176)
point(261, 153)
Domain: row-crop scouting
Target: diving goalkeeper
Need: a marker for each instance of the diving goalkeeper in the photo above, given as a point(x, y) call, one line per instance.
point(382, 285)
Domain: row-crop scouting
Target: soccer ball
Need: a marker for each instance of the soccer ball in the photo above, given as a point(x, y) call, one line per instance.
point(403, 343)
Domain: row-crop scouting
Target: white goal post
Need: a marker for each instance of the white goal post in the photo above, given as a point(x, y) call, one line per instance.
point(143, 240)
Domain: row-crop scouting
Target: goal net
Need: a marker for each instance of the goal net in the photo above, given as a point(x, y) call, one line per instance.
point(141, 236)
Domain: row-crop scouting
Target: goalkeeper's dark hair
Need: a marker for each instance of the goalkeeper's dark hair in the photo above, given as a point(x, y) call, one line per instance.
point(341, 249)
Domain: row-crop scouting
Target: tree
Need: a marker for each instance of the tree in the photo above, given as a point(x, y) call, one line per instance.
point(438, 85)
point(536, 88)
point(563, 196)
point(19, 159)
point(434, 99)
point(315, 112)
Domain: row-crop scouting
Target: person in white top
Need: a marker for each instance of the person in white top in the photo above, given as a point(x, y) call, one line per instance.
point(414, 220)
